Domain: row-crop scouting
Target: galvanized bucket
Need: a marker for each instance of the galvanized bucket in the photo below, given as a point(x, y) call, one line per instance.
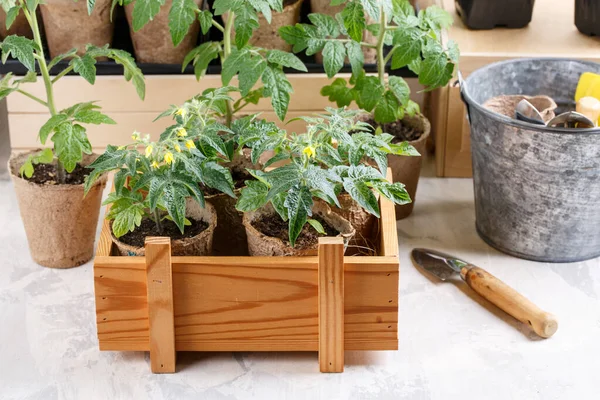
point(537, 189)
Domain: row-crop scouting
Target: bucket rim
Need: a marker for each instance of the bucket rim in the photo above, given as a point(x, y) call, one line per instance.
point(517, 123)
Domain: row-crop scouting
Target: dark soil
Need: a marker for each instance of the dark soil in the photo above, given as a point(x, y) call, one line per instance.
point(239, 178)
point(148, 228)
point(275, 227)
point(45, 174)
point(400, 131)
point(289, 2)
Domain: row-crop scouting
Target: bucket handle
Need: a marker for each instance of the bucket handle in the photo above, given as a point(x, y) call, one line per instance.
point(463, 87)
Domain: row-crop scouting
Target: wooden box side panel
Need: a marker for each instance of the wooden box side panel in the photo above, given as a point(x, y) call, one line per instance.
point(249, 304)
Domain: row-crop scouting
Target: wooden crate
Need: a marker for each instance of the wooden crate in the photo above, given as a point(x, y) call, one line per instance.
point(326, 303)
point(551, 33)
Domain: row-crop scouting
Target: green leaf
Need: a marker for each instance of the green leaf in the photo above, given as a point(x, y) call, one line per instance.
point(252, 197)
point(433, 67)
point(208, 52)
point(453, 51)
point(317, 225)
point(362, 194)
point(205, 18)
point(131, 72)
point(395, 192)
point(408, 47)
point(354, 20)
point(246, 21)
point(51, 125)
point(369, 92)
point(387, 109)
point(338, 92)
point(29, 77)
point(299, 205)
point(27, 168)
point(325, 24)
point(402, 8)
point(93, 117)
point(404, 149)
point(90, 6)
point(281, 179)
point(174, 201)
point(44, 157)
point(181, 17)
point(251, 71)
point(218, 177)
point(411, 108)
point(334, 54)
point(11, 16)
point(232, 64)
point(20, 48)
point(356, 57)
point(86, 67)
point(285, 59)
point(70, 142)
point(318, 178)
point(400, 88)
point(144, 11)
point(437, 17)
point(372, 8)
point(127, 218)
point(278, 88)
point(223, 6)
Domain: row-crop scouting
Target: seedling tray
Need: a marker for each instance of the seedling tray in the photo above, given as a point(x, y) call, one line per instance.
point(326, 303)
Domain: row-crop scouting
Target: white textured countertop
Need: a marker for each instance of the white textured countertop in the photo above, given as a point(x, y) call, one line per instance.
point(453, 345)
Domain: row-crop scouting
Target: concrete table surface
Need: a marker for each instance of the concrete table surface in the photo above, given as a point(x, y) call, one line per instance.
point(453, 345)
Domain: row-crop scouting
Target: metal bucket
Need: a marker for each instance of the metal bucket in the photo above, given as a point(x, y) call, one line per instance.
point(537, 189)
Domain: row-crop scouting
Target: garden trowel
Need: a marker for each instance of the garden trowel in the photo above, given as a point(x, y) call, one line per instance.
point(489, 287)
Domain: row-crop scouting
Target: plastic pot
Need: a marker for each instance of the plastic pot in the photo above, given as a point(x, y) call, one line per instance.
point(587, 16)
point(488, 14)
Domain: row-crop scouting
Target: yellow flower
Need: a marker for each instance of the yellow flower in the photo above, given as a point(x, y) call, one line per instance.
point(181, 112)
point(190, 144)
point(120, 147)
point(154, 164)
point(149, 151)
point(168, 157)
point(177, 148)
point(135, 135)
point(181, 132)
point(309, 151)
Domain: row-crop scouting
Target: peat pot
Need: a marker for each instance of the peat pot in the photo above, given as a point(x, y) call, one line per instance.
point(153, 43)
point(68, 25)
point(60, 223)
point(199, 245)
point(537, 189)
point(260, 244)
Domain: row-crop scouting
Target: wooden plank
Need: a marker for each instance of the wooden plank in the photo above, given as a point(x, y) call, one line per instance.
point(387, 224)
point(160, 304)
point(331, 304)
point(247, 304)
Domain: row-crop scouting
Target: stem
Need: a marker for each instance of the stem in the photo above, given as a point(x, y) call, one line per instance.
point(32, 97)
point(389, 55)
point(157, 221)
point(218, 25)
point(380, 40)
point(33, 23)
point(226, 54)
point(62, 73)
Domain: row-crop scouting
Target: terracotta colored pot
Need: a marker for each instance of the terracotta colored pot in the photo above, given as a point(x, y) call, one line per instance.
point(60, 222)
point(199, 245)
point(408, 169)
point(20, 26)
point(260, 244)
point(153, 43)
point(68, 25)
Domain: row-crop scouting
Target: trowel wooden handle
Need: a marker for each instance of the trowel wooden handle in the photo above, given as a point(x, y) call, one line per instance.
point(509, 300)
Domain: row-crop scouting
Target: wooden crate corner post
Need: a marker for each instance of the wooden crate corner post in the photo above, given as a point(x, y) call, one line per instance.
point(331, 304)
point(161, 320)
